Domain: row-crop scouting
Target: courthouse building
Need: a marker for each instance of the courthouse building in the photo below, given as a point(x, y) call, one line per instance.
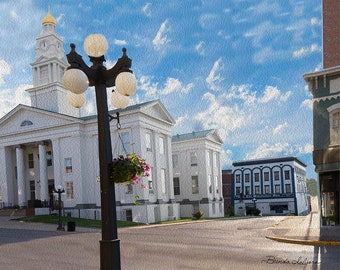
point(48, 144)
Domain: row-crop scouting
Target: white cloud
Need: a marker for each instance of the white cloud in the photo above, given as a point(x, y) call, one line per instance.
point(146, 9)
point(273, 93)
point(226, 157)
point(221, 116)
point(306, 51)
point(120, 42)
point(5, 69)
point(308, 103)
point(265, 150)
point(9, 98)
point(242, 92)
point(181, 120)
point(174, 85)
point(280, 128)
point(199, 48)
point(306, 149)
point(161, 37)
point(215, 78)
point(145, 84)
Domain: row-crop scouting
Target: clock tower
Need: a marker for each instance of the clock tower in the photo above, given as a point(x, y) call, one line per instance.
point(48, 92)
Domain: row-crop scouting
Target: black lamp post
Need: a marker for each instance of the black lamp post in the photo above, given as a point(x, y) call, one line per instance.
point(60, 223)
point(76, 79)
point(254, 201)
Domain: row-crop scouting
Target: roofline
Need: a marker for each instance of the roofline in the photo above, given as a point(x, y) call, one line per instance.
point(326, 71)
point(269, 160)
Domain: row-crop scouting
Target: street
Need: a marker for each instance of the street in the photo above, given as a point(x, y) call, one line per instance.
point(212, 244)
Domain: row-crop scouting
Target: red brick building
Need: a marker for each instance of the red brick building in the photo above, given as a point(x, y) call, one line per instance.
point(227, 190)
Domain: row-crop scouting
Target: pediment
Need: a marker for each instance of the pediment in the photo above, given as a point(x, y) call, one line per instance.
point(157, 110)
point(214, 136)
point(25, 118)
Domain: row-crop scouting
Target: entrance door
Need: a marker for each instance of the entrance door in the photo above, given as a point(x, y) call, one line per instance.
point(32, 190)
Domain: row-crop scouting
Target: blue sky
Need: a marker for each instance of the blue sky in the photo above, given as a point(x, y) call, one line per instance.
point(233, 65)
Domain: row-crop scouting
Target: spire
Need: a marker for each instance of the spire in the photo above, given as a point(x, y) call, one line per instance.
point(49, 18)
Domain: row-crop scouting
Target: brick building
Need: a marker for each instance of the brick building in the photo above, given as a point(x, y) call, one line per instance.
point(325, 88)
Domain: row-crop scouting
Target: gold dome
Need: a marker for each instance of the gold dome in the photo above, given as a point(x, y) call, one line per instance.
point(49, 18)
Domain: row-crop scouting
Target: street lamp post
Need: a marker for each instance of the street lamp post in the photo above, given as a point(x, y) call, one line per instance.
point(60, 224)
point(77, 79)
point(254, 201)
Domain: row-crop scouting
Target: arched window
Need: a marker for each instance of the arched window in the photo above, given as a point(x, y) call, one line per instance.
point(26, 123)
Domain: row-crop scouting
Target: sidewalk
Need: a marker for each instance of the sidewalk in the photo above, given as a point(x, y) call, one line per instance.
point(304, 230)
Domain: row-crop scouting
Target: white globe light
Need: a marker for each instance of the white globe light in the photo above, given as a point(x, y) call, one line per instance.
point(75, 80)
point(126, 83)
point(95, 45)
point(76, 100)
point(119, 101)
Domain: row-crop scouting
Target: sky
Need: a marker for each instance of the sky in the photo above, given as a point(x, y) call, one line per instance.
point(231, 65)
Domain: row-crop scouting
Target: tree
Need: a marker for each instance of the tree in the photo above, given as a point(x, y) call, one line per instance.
point(312, 186)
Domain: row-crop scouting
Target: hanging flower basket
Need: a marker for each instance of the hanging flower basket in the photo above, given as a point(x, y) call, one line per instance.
point(129, 169)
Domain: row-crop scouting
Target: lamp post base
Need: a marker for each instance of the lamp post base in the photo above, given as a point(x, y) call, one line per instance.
point(110, 254)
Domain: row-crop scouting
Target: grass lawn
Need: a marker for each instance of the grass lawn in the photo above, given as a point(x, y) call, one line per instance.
point(81, 222)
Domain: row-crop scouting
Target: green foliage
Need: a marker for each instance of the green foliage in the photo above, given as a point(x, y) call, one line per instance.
point(312, 186)
point(252, 211)
point(198, 215)
point(230, 210)
point(81, 222)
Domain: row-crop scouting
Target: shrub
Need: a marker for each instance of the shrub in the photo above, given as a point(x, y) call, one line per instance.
point(198, 215)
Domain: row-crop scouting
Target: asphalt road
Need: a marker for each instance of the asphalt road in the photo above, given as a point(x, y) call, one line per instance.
point(218, 244)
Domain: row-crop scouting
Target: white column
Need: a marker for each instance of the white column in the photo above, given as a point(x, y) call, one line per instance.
point(21, 176)
point(57, 163)
point(43, 173)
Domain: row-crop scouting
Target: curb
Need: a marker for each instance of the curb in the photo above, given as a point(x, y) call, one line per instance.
point(303, 242)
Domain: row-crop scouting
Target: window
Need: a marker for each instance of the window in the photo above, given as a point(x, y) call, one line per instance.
point(238, 178)
point(216, 184)
point(238, 190)
point(288, 188)
point(247, 190)
point(267, 189)
point(174, 161)
point(276, 175)
point(193, 159)
point(69, 190)
point(266, 176)
point(49, 158)
point(334, 118)
point(30, 161)
point(257, 177)
point(148, 142)
point(162, 145)
point(163, 180)
point(128, 214)
point(257, 189)
point(150, 183)
point(128, 188)
point(194, 184)
point(68, 165)
point(126, 142)
point(209, 184)
point(246, 178)
point(287, 175)
point(277, 189)
point(177, 190)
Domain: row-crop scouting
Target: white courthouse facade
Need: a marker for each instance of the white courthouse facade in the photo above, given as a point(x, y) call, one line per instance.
point(275, 186)
point(197, 173)
point(48, 144)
